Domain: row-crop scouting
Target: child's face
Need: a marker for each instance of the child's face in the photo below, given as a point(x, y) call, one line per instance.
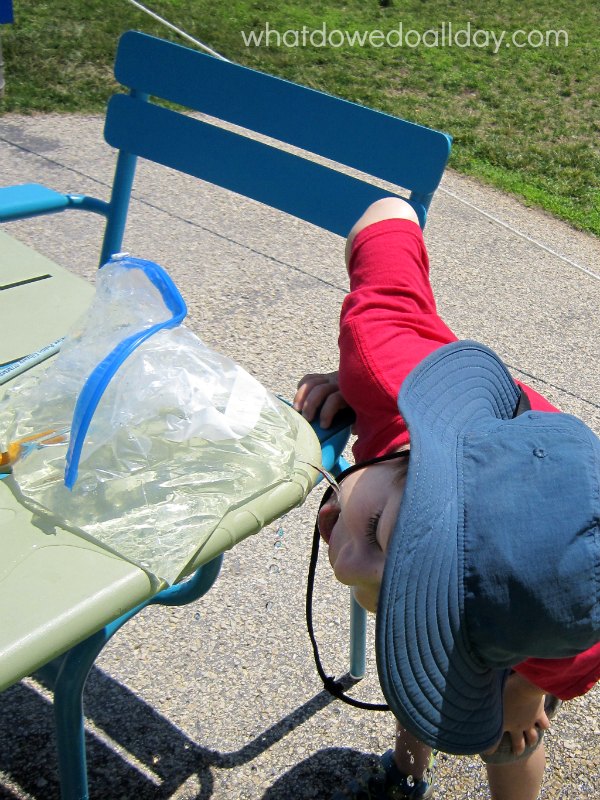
point(357, 526)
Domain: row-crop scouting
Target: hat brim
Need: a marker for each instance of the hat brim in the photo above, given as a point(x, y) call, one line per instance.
point(432, 681)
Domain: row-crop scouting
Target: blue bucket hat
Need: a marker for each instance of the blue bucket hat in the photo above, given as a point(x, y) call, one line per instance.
point(495, 556)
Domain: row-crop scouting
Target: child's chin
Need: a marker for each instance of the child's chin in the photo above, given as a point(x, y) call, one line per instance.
point(365, 598)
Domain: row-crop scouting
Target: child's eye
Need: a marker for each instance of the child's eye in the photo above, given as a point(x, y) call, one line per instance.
point(372, 528)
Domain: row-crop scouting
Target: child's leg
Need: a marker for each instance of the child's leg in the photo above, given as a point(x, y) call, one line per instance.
point(412, 757)
point(386, 208)
point(518, 780)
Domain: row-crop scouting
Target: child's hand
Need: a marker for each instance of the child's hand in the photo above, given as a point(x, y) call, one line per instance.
point(524, 713)
point(316, 390)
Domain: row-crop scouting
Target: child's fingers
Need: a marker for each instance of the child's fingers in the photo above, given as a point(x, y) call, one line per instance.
point(531, 737)
point(543, 722)
point(517, 743)
point(313, 378)
point(334, 403)
point(314, 399)
point(307, 385)
point(526, 738)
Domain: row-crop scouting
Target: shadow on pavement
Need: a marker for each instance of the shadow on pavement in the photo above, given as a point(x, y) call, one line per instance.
point(145, 756)
point(317, 777)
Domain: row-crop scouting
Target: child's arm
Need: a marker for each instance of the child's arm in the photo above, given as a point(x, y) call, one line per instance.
point(316, 390)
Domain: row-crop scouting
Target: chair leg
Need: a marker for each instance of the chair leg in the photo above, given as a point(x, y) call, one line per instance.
point(358, 639)
point(68, 715)
point(68, 673)
point(70, 745)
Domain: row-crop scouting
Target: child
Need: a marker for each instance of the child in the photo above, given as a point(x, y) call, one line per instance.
point(480, 551)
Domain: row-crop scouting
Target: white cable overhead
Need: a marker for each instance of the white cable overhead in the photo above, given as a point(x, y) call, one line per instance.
point(177, 30)
point(525, 236)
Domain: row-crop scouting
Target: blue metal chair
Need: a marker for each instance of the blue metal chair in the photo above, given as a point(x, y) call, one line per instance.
point(137, 125)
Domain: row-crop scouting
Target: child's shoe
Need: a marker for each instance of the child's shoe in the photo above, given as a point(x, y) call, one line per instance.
point(386, 782)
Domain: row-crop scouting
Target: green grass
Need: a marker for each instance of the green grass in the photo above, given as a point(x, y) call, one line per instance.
point(526, 120)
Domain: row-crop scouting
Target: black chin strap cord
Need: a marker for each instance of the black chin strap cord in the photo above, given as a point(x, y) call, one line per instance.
point(333, 686)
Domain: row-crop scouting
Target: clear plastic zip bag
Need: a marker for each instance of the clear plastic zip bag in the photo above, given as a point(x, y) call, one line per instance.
point(139, 435)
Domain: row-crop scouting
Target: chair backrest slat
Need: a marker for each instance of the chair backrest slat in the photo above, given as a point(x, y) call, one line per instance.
point(371, 141)
point(272, 176)
point(408, 156)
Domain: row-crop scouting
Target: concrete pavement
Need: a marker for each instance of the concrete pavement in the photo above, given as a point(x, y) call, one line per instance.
point(220, 699)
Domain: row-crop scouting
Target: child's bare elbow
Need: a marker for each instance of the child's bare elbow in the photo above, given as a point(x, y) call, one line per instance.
point(386, 208)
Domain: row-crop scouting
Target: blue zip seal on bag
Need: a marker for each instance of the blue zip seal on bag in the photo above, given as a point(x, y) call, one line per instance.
point(100, 377)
